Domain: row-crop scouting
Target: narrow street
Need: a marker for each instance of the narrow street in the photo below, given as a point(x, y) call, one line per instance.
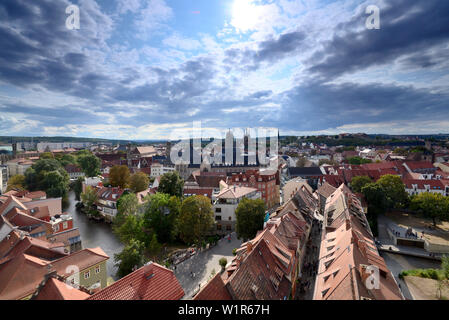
point(310, 264)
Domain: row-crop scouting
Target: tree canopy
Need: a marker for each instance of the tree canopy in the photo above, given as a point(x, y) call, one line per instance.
point(90, 164)
point(139, 182)
point(359, 182)
point(357, 160)
point(250, 217)
point(394, 189)
point(130, 258)
point(119, 176)
point(434, 206)
point(172, 184)
point(88, 198)
point(196, 219)
point(48, 175)
point(16, 182)
point(161, 214)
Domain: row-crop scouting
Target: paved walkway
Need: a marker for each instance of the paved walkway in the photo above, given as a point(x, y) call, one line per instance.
point(387, 244)
point(197, 270)
point(309, 270)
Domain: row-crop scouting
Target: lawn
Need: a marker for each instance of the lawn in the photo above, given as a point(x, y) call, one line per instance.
point(425, 289)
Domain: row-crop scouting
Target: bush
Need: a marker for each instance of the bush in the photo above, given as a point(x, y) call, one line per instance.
point(434, 274)
point(234, 251)
point(223, 262)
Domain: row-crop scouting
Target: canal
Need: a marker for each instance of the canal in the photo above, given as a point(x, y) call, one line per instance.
point(96, 234)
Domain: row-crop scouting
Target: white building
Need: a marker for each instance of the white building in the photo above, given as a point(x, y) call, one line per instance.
point(91, 182)
point(158, 169)
point(42, 146)
point(18, 166)
point(3, 178)
point(415, 187)
point(225, 203)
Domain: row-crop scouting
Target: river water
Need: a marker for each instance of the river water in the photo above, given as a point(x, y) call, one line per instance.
point(96, 234)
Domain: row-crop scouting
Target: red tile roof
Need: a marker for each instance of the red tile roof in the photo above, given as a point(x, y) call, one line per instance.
point(434, 184)
point(415, 165)
point(55, 289)
point(151, 282)
point(214, 290)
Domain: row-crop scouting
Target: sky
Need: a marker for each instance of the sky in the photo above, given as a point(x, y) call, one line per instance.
point(142, 69)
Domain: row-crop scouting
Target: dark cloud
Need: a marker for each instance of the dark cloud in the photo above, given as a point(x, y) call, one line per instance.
point(318, 106)
point(37, 52)
point(271, 50)
point(405, 27)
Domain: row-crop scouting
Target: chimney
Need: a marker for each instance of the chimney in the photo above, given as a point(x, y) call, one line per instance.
point(364, 273)
point(148, 270)
point(249, 247)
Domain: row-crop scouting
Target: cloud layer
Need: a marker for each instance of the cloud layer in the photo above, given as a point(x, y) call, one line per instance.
point(133, 71)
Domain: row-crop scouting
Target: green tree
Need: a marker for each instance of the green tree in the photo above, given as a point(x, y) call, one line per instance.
point(250, 217)
point(223, 262)
point(377, 203)
point(375, 196)
point(172, 184)
point(161, 214)
point(119, 176)
point(131, 228)
point(89, 197)
point(154, 247)
point(130, 258)
point(139, 182)
point(196, 219)
point(127, 204)
point(445, 266)
point(66, 159)
point(90, 164)
point(327, 161)
point(16, 182)
point(55, 184)
point(434, 206)
point(48, 175)
point(359, 182)
point(357, 160)
point(77, 187)
point(46, 155)
point(394, 190)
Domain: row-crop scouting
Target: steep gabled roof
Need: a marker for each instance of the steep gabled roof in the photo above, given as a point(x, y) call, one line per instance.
point(151, 282)
point(55, 289)
point(215, 289)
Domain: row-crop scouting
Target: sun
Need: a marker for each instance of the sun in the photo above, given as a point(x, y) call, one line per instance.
point(245, 15)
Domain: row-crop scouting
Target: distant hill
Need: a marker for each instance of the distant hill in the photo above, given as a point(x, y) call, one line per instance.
point(12, 139)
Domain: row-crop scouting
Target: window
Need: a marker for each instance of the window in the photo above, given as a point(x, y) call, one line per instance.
point(228, 228)
point(56, 228)
point(217, 218)
point(218, 226)
point(87, 275)
point(97, 269)
point(230, 218)
point(217, 209)
point(65, 225)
